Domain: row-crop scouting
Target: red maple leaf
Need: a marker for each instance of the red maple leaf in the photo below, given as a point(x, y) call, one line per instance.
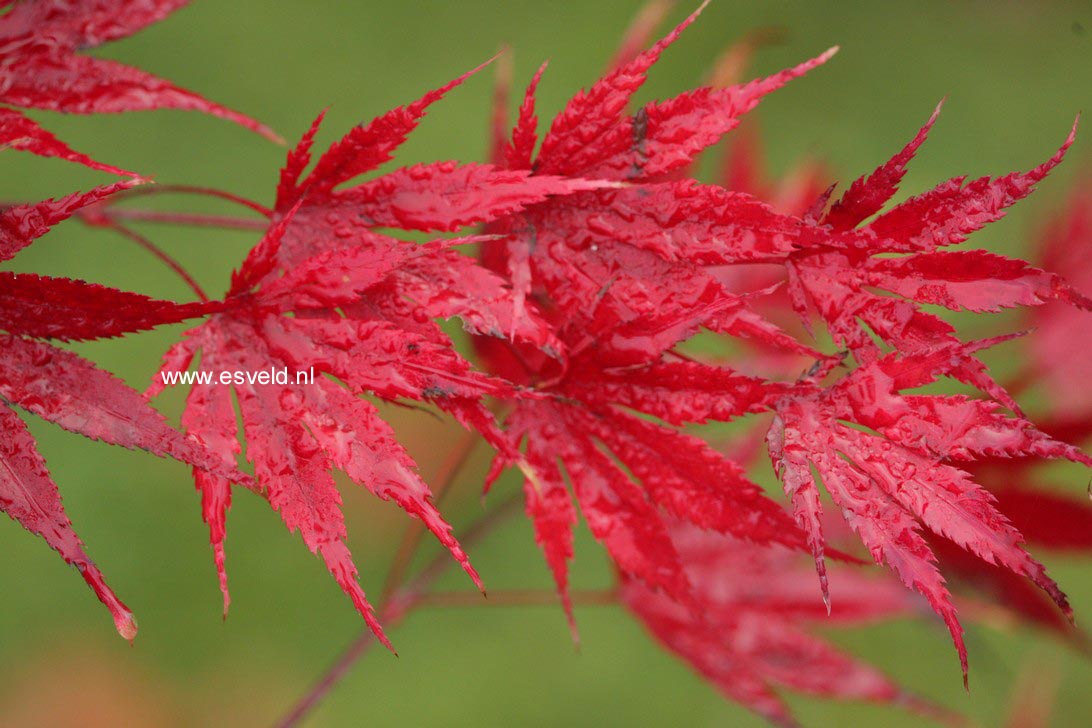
point(40, 67)
point(19, 132)
point(890, 462)
point(583, 254)
point(834, 267)
point(837, 279)
point(616, 401)
point(976, 281)
point(751, 631)
point(70, 391)
point(323, 289)
point(594, 136)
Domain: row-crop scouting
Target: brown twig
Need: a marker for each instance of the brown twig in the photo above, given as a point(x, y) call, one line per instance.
point(517, 598)
point(405, 598)
point(415, 531)
point(401, 602)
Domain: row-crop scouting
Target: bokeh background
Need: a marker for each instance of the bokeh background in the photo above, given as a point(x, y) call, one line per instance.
point(1015, 74)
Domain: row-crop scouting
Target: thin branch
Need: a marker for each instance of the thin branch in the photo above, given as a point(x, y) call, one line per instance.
point(517, 598)
point(107, 211)
point(400, 603)
point(415, 531)
point(148, 190)
point(331, 678)
point(162, 255)
point(407, 596)
point(229, 222)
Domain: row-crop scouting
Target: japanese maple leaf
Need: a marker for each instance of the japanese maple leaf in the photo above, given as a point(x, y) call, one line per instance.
point(841, 274)
point(66, 389)
point(19, 132)
point(325, 289)
point(839, 284)
point(627, 474)
point(40, 67)
point(296, 433)
point(685, 225)
point(617, 400)
point(751, 632)
point(595, 137)
point(891, 462)
point(619, 319)
point(1047, 520)
point(1007, 476)
point(1053, 345)
point(839, 278)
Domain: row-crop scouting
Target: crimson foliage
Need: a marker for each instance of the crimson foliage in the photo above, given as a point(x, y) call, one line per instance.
point(599, 259)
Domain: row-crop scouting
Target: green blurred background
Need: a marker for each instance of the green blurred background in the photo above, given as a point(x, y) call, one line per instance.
point(1015, 74)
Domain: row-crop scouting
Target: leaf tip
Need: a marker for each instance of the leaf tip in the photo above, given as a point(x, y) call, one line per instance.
point(272, 136)
point(126, 624)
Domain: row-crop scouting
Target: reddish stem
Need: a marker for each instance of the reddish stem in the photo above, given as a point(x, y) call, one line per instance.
point(229, 222)
point(162, 255)
point(415, 531)
point(408, 597)
point(147, 190)
point(517, 598)
point(107, 211)
point(400, 603)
